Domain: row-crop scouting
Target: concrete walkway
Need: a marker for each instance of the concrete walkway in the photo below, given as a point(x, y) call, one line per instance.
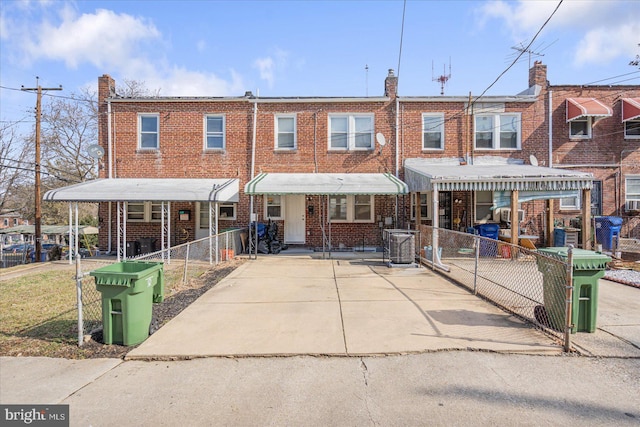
point(298, 305)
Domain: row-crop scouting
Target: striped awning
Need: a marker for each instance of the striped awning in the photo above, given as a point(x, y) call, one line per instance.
point(149, 190)
point(630, 109)
point(325, 184)
point(586, 107)
point(421, 175)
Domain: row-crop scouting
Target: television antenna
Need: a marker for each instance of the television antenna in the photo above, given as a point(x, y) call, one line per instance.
point(522, 49)
point(443, 78)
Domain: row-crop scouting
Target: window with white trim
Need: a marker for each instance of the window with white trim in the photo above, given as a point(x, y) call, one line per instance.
point(425, 206)
point(351, 208)
point(273, 206)
point(6, 222)
point(214, 132)
point(15, 221)
point(632, 193)
point(432, 131)
point(351, 132)
point(632, 129)
point(285, 130)
point(580, 128)
point(226, 212)
point(149, 131)
point(144, 211)
point(570, 203)
point(483, 208)
point(497, 131)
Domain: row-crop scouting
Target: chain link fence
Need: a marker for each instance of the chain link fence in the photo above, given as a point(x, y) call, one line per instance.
point(181, 263)
point(526, 283)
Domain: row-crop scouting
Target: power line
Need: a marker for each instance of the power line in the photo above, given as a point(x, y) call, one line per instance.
point(404, 8)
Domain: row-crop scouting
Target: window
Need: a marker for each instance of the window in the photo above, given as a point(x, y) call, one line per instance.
point(149, 130)
point(135, 211)
point(497, 131)
point(273, 207)
point(432, 131)
point(226, 212)
point(570, 203)
point(15, 221)
point(580, 128)
point(632, 129)
point(425, 202)
point(285, 132)
point(484, 203)
point(214, 133)
point(351, 132)
point(358, 208)
point(6, 222)
point(632, 193)
point(144, 211)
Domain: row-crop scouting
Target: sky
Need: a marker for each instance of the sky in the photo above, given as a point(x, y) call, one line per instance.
point(310, 48)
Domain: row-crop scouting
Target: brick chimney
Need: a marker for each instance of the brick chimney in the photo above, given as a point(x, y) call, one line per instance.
point(538, 75)
point(106, 87)
point(391, 85)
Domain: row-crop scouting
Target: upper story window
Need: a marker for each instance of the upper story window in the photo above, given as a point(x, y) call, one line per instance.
point(497, 131)
point(6, 222)
point(632, 129)
point(351, 208)
point(214, 132)
point(432, 131)
point(149, 135)
point(350, 132)
point(580, 128)
point(285, 130)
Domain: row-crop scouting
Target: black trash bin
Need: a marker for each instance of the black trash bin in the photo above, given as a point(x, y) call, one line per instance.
point(147, 244)
point(133, 249)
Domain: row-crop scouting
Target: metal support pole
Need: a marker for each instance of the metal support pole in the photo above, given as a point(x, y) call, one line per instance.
point(569, 301)
point(79, 298)
point(186, 263)
point(476, 246)
point(70, 240)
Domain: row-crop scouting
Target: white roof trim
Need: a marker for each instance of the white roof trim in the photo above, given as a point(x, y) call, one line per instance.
point(149, 189)
point(325, 184)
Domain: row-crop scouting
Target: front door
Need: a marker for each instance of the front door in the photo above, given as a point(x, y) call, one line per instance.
point(294, 220)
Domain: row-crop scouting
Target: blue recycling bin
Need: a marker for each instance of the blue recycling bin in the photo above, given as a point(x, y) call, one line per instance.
point(608, 231)
point(490, 231)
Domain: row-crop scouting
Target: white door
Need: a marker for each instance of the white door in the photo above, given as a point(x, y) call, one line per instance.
point(202, 220)
point(294, 220)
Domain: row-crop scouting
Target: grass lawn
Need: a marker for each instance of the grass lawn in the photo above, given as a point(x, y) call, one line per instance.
point(38, 311)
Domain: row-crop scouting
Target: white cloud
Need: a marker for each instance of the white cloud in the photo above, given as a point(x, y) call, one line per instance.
point(268, 66)
point(606, 29)
point(103, 38)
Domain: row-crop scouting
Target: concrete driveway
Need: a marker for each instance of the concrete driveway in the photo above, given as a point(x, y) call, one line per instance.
point(299, 305)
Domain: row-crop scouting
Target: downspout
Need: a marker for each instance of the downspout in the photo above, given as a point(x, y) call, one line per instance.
point(253, 167)
point(110, 168)
point(397, 152)
point(550, 128)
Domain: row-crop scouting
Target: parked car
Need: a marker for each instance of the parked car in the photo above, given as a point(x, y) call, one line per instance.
point(18, 248)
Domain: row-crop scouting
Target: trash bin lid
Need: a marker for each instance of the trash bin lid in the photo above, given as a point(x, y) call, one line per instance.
point(582, 258)
point(609, 220)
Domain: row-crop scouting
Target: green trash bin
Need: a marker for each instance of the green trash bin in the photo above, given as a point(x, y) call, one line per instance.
point(128, 290)
point(588, 268)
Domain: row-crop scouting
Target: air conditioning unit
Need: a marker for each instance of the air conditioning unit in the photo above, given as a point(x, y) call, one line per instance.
point(505, 215)
point(633, 205)
point(402, 248)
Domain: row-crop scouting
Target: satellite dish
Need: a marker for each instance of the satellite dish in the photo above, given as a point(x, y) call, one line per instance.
point(533, 160)
point(95, 151)
point(380, 139)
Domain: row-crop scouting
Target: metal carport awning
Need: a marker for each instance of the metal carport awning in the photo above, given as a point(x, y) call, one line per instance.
point(164, 190)
point(493, 174)
point(326, 184)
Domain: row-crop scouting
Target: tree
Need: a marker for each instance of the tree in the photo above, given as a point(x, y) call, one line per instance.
point(14, 167)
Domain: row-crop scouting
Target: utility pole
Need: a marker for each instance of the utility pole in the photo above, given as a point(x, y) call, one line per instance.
point(38, 220)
